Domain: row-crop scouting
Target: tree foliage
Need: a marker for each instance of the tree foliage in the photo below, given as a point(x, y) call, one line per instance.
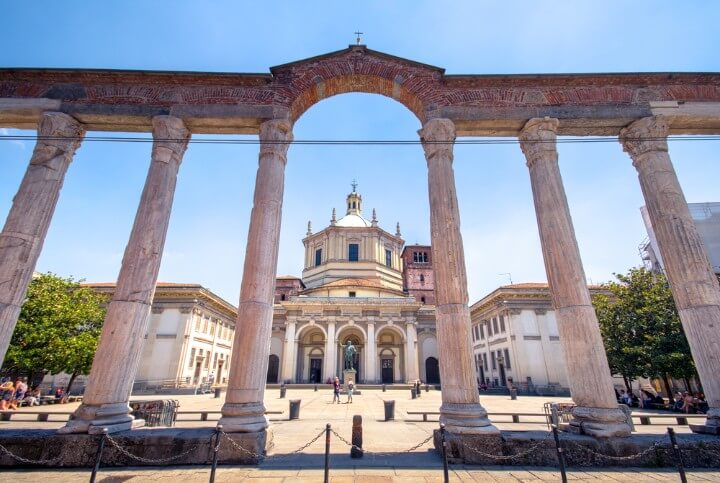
point(58, 328)
point(641, 329)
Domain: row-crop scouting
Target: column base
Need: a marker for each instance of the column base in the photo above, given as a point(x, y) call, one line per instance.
point(599, 422)
point(470, 418)
point(91, 419)
point(243, 418)
point(712, 423)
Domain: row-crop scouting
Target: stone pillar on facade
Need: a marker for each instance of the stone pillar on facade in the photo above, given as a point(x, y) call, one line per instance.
point(27, 222)
point(596, 412)
point(460, 411)
point(244, 410)
point(330, 351)
point(371, 353)
point(693, 283)
point(105, 401)
point(411, 356)
point(289, 351)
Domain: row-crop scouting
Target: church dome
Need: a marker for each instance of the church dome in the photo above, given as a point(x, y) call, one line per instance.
point(353, 220)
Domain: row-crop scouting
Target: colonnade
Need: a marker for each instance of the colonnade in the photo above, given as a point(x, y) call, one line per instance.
point(105, 405)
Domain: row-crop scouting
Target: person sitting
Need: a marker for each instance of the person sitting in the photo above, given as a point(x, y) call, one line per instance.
point(701, 403)
point(19, 394)
point(646, 399)
point(59, 393)
point(688, 406)
point(625, 398)
point(678, 403)
point(32, 398)
point(7, 389)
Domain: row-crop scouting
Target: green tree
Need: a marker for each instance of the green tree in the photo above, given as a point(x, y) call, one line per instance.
point(58, 328)
point(641, 329)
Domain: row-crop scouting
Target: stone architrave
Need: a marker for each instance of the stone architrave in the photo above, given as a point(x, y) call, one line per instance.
point(105, 402)
point(244, 410)
point(27, 223)
point(596, 412)
point(694, 285)
point(461, 411)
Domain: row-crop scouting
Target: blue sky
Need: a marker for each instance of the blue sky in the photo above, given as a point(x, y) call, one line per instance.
point(206, 239)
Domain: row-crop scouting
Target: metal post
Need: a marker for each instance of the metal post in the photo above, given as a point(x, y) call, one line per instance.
point(560, 455)
point(98, 455)
point(446, 477)
point(216, 449)
point(678, 455)
point(327, 453)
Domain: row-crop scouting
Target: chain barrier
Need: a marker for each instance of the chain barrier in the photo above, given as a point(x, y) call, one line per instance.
point(655, 446)
point(126, 453)
point(532, 449)
point(260, 457)
point(52, 461)
point(377, 453)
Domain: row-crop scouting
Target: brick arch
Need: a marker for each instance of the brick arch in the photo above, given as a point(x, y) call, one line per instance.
point(356, 83)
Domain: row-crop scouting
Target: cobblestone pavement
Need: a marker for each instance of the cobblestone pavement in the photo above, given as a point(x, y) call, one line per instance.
point(460, 473)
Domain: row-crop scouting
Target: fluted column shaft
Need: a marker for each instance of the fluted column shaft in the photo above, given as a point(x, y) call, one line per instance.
point(461, 411)
point(591, 387)
point(694, 285)
point(244, 410)
point(371, 356)
point(105, 402)
point(289, 352)
point(27, 222)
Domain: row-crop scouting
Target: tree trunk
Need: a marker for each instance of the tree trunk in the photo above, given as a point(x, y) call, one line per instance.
point(668, 390)
point(687, 384)
point(627, 384)
point(70, 383)
point(699, 383)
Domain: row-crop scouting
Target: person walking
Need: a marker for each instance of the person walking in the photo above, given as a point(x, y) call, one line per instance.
point(350, 388)
point(336, 391)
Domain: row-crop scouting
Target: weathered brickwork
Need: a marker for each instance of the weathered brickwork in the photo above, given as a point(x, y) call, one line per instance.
point(204, 100)
point(418, 274)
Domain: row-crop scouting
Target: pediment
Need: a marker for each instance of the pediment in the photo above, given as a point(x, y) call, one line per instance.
point(356, 53)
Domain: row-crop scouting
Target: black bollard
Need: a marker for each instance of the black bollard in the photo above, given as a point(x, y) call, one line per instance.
point(413, 394)
point(427, 388)
point(418, 389)
point(356, 451)
point(678, 455)
point(327, 453)
point(282, 391)
point(446, 477)
point(560, 455)
point(215, 448)
point(315, 387)
point(98, 455)
point(383, 387)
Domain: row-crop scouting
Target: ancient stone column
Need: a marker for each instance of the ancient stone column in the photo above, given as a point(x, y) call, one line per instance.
point(289, 352)
point(460, 411)
point(597, 412)
point(27, 223)
point(693, 283)
point(244, 410)
point(105, 402)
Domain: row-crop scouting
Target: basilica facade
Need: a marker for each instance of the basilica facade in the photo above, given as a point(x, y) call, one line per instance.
point(359, 284)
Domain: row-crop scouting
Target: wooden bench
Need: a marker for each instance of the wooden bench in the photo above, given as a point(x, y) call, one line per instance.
point(204, 414)
point(515, 416)
point(41, 416)
point(680, 418)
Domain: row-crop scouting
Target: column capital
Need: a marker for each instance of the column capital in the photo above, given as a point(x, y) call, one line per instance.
point(56, 126)
point(645, 135)
point(538, 139)
point(170, 139)
point(438, 136)
point(275, 138)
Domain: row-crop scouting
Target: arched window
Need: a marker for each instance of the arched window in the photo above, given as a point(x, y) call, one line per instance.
point(422, 278)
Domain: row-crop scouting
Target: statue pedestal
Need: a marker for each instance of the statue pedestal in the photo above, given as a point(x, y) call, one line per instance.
point(349, 375)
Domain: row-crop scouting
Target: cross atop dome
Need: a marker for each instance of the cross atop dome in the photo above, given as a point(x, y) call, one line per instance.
point(354, 186)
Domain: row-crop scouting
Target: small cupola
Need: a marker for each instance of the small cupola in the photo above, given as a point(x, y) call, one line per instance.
point(354, 201)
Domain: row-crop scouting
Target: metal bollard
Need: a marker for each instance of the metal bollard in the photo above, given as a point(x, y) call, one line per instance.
point(215, 448)
point(98, 455)
point(327, 453)
point(315, 387)
point(357, 441)
point(560, 454)
point(282, 391)
point(384, 388)
point(446, 477)
point(413, 394)
point(678, 455)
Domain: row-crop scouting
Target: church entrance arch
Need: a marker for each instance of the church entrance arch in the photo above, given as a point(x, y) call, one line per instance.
point(310, 354)
point(387, 366)
point(432, 370)
point(273, 369)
